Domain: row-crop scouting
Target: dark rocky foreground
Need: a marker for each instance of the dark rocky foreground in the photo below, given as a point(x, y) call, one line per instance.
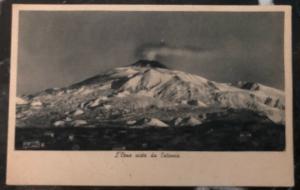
point(212, 136)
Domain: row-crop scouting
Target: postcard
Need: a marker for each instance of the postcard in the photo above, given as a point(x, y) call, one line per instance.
point(150, 95)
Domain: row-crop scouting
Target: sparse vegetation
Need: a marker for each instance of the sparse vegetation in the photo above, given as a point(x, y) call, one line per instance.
point(212, 136)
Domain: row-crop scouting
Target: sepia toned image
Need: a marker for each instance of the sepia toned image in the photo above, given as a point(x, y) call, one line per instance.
point(150, 81)
point(142, 83)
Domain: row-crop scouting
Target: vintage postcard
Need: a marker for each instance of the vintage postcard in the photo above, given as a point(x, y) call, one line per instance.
point(150, 95)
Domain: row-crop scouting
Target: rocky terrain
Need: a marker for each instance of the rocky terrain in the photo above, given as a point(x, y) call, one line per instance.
point(147, 95)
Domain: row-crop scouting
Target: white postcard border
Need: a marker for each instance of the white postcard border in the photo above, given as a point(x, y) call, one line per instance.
point(203, 168)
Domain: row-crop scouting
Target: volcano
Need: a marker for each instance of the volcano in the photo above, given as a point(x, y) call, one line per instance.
point(147, 89)
point(149, 63)
point(148, 106)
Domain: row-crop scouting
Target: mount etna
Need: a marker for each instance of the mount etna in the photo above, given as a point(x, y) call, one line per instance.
point(148, 106)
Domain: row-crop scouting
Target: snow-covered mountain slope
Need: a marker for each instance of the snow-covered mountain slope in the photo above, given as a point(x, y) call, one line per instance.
point(123, 92)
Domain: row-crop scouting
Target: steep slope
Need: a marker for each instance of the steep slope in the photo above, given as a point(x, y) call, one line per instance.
point(142, 89)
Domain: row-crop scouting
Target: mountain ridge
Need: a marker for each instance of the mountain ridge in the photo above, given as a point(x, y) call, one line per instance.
point(147, 85)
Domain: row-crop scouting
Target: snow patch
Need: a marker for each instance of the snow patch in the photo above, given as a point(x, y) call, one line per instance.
point(78, 112)
point(21, 101)
point(59, 123)
point(79, 123)
point(36, 103)
point(154, 122)
point(123, 94)
point(131, 122)
point(107, 106)
point(190, 121)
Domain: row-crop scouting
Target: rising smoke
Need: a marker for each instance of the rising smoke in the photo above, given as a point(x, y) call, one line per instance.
point(155, 52)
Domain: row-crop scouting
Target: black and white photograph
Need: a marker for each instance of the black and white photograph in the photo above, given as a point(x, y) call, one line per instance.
point(130, 94)
point(195, 81)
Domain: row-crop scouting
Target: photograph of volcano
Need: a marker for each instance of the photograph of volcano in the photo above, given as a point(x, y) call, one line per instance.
point(171, 81)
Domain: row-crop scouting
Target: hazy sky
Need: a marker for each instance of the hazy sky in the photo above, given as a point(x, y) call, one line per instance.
point(60, 48)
